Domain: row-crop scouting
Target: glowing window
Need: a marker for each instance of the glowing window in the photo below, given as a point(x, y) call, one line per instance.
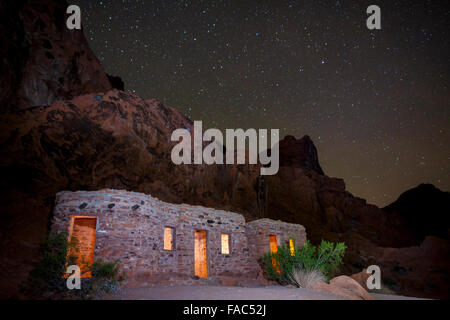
point(273, 244)
point(225, 239)
point(291, 246)
point(168, 238)
point(274, 249)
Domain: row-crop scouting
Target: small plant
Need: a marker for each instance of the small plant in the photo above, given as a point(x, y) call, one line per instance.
point(306, 278)
point(48, 278)
point(325, 258)
point(105, 276)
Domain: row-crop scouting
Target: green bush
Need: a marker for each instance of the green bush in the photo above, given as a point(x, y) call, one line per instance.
point(47, 279)
point(325, 258)
point(101, 269)
point(47, 276)
point(105, 276)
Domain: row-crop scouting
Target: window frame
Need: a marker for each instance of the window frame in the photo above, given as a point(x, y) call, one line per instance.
point(291, 248)
point(173, 238)
point(273, 236)
point(229, 244)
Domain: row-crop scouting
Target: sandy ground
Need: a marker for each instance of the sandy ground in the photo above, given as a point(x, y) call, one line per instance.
point(229, 293)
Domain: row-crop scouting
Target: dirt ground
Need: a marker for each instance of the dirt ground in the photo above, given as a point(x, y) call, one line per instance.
point(229, 293)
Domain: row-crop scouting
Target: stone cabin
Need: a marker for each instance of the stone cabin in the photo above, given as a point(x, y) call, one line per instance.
point(159, 242)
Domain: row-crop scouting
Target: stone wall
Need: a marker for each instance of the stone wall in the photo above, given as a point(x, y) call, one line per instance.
point(130, 227)
point(259, 231)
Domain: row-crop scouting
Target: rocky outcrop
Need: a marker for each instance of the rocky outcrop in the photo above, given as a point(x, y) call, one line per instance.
point(417, 271)
point(43, 61)
point(299, 153)
point(116, 82)
point(345, 287)
point(361, 277)
point(423, 211)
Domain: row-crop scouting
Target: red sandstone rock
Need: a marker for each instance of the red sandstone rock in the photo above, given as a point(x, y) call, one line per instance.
point(361, 277)
point(345, 287)
point(299, 153)
point(44, 61)
point(348, 284)
point(325, 287)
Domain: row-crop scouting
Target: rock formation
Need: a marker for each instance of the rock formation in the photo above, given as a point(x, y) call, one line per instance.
point(63, 128)
point(116, 82)
point(424, 211)
point(300, 153)
point(345, 287)
point(42, 61)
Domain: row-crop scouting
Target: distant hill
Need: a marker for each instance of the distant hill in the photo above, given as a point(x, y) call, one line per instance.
point(424, 209)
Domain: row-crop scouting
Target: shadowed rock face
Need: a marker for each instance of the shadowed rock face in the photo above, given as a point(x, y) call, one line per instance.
point(116, 82)
point(423, 209)
point(299, 153)
point(43, 61)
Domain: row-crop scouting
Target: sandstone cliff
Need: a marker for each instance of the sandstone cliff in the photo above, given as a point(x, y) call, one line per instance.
point(62, 128)
point(42, 61)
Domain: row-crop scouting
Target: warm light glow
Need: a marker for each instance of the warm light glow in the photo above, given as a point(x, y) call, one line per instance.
point(82, 240)
point(273, 244)
point(168, 238)
point(225, 243)
point(274, 249)
point(291, 246)
point(200, 254)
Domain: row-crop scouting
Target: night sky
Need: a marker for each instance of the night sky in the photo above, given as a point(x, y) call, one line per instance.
point(375, 103)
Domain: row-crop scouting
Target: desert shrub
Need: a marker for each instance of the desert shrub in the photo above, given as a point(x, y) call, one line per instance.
point(47, 279)
point(280, 264)
point(326, 258)
point(101, 269)
point(47, 275)
point(305, 278)
point(105, 276)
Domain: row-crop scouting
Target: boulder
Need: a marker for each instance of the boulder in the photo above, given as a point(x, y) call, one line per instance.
point(361, 277)
point(349, 284)
point(344, 286)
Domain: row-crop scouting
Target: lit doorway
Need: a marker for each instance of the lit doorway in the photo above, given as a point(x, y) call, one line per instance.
point(200, 254)
point(82, 243)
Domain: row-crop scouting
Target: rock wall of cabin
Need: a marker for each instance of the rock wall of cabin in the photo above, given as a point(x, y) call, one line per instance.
point(259, 232)
point(130, 228)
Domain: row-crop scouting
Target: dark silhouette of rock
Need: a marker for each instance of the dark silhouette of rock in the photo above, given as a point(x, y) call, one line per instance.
point(43, 61)
point(299, 153)
point(425, 210)
point(116, 82)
